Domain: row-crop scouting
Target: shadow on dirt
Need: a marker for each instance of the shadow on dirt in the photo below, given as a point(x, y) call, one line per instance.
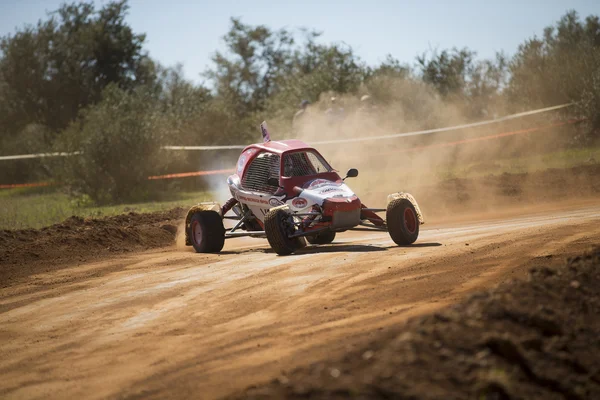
point(435, 244)
point(244, 251)
point(342, 248)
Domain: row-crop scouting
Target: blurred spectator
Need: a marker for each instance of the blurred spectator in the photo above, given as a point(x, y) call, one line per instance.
point(366, 104)
point(334, 113)
point(301, 115)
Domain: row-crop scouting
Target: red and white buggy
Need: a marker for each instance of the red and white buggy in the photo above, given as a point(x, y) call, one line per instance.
point(287, 192)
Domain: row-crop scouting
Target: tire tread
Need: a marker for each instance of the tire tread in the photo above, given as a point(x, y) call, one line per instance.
point(213, 229)
point(276, 236)
point(395, 222)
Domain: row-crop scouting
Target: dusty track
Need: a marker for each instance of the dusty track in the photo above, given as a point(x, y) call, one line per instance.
point(172, 323)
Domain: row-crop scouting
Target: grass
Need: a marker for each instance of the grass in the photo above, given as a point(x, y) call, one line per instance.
point(22, 208)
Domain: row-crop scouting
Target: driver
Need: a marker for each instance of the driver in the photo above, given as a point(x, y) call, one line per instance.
point(296, 164)
point(288, 165)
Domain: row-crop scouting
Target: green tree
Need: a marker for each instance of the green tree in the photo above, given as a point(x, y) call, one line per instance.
point(390, 67)
point(267, 71)
point(561, 67)
point(475, 85)
point(448, 70)
point(484, 87)
point(257, 58)
point(181, 102)
point(49, 72)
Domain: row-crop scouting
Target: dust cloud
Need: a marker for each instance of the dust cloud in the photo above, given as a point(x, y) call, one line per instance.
point(471, 169)
point(449, 171)
point(180, 237)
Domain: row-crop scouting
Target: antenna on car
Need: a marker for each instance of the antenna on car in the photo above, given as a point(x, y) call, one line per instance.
point(265, 133)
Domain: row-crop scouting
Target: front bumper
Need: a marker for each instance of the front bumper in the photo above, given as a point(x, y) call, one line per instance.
point(344, 212)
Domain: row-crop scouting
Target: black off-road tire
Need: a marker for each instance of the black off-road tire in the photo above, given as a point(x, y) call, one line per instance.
point(402, 221)
point(325, 237)
point(278, 230)
point(206, 232)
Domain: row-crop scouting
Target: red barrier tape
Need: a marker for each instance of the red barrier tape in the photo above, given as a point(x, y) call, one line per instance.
point(229, 171)
point(482, 138)
point(20, 185)
point(197, 173)
point(168, 176)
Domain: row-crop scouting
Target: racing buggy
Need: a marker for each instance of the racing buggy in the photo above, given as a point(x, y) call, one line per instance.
point(287, 192)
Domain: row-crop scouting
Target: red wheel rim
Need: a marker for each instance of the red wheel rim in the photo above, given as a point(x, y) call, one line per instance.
point(196, 232)
point(410, 220)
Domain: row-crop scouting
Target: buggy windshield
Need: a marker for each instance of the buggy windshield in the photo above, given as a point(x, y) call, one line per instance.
point(304, 163)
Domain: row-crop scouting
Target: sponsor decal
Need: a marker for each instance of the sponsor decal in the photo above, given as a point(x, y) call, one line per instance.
point(319, 182)
point(275, 202)
point(251, 200)
point(299, 202)
point(330, 189)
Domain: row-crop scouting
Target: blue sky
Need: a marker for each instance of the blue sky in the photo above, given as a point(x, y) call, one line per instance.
point(189, 32)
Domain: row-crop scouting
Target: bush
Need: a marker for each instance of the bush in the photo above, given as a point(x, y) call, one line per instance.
point(120, 141)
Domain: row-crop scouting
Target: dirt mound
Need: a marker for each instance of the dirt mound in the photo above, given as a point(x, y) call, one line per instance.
point(23, 252)
point(525, 339)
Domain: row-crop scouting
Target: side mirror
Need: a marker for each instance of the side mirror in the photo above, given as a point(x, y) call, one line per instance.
point(273, 182)
point(352, 173)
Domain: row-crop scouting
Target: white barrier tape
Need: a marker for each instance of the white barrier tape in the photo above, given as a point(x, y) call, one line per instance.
point(40, 155)
point(450, 128)
point(362, 139)
point(231, 147)
point(417, 148)
point(393, 136)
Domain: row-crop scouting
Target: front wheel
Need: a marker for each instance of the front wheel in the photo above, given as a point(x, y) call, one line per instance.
point(321, 238)
point(279, 226)
point(402, 222)
point(207, 232)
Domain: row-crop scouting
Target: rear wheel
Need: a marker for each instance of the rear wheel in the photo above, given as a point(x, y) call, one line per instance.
point(207, 232)
point(402, 222)
point(321, 238)
point(279, 226)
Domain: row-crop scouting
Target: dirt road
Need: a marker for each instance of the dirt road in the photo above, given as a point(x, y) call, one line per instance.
point(172, 323)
